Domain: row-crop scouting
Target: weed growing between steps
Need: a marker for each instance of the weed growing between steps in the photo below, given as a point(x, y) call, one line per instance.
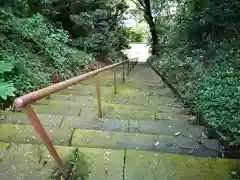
point(77, 164)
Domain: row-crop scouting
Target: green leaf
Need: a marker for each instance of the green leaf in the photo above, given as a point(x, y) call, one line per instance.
point(6, 90)
point(5, 67)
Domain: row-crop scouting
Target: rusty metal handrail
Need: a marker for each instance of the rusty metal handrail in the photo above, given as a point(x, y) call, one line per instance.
point(31, 97)
point(24, 102)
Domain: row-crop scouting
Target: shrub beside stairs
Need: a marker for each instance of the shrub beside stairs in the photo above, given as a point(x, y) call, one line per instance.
point(145, 134)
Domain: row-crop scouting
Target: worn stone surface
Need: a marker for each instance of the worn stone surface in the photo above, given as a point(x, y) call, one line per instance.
point(151, 166)
point(3, 149)
point(112, 140)
point(165, 108)
point(27, 162)
point(57, 109)
point(100, 164)
point(21, 119)
point(78, 100)
point(151, 115)
point(27, 134)
point(166, 128)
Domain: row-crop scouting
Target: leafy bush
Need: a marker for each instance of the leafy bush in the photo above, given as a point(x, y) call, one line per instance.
point(6, 88)
point(218, 96)
point(37, 50)
point(201, 58)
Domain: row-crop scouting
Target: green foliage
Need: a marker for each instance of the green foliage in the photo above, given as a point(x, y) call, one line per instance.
point(41, 38)
point(36, 49)
point(6, 88)
point(82, 166)
point(133, 36)
point(200, 55)
point(93, 26)
point(219, 96)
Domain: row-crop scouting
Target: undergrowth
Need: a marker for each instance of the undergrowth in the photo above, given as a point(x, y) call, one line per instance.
point(200, 57)
point(32, 51)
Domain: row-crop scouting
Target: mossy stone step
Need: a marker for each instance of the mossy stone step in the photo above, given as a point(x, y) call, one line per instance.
point(121, 89)
point(27, 161)
point(58, 109)
point(144, 115)
point(85, 100)
point(20, 118)
point(111, 140)
point(157, 108)
point(100, 164)
point(142, 99)
point(163, 166)
point(67, 100)
point(3, 149)
point(120, 140)
point(88, 112)
point(170, 128)
point(27, 134)
point(88, 120)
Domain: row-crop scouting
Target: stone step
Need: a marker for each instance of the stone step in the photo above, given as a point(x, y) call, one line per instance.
point(59, 101)
point(36, 163)
point(27, 161)
point(140, 165)
point(127, 125)
point(121, 89)
point(112, 140)
point(169, 128)
point(45, 105)
point(112, 111)
point(142, 99)
point(67, 100)
point(102, 164)
point(170, 108)
point(145, 115)
point(20, 118)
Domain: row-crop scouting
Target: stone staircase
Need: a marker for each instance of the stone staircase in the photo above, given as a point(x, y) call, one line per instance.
point(145, 133)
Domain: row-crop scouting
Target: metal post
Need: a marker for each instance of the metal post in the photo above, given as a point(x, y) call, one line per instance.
point(32, 116)
point(128, 68)
point(123, 73)
point(98, 95)
point(115, 80)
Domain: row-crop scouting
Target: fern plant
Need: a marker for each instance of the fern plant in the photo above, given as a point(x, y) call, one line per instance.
point(6, 88)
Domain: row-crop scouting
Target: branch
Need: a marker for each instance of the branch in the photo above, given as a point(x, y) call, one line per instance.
point(142, 4)
point(141, 8)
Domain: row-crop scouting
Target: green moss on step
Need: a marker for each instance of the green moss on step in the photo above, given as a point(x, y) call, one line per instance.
point(57, 109)
point(3, 149)
point(3, 146)
point(27, 134)
point(110, 140)
point(151, 166)
point(100, 164)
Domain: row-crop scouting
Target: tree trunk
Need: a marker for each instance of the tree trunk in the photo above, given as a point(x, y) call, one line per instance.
point(148, 17)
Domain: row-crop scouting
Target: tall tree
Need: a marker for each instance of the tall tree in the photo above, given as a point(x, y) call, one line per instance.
point(152, 9)
point(145, 7)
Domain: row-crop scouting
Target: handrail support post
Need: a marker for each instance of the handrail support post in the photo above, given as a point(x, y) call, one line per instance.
point(36, 123)
point(128, 67)
point(115, 80)
point(123, 73)
point(98, 95)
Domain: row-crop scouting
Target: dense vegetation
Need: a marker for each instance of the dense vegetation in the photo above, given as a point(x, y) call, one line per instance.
point(40, 38)
point(199, 54)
